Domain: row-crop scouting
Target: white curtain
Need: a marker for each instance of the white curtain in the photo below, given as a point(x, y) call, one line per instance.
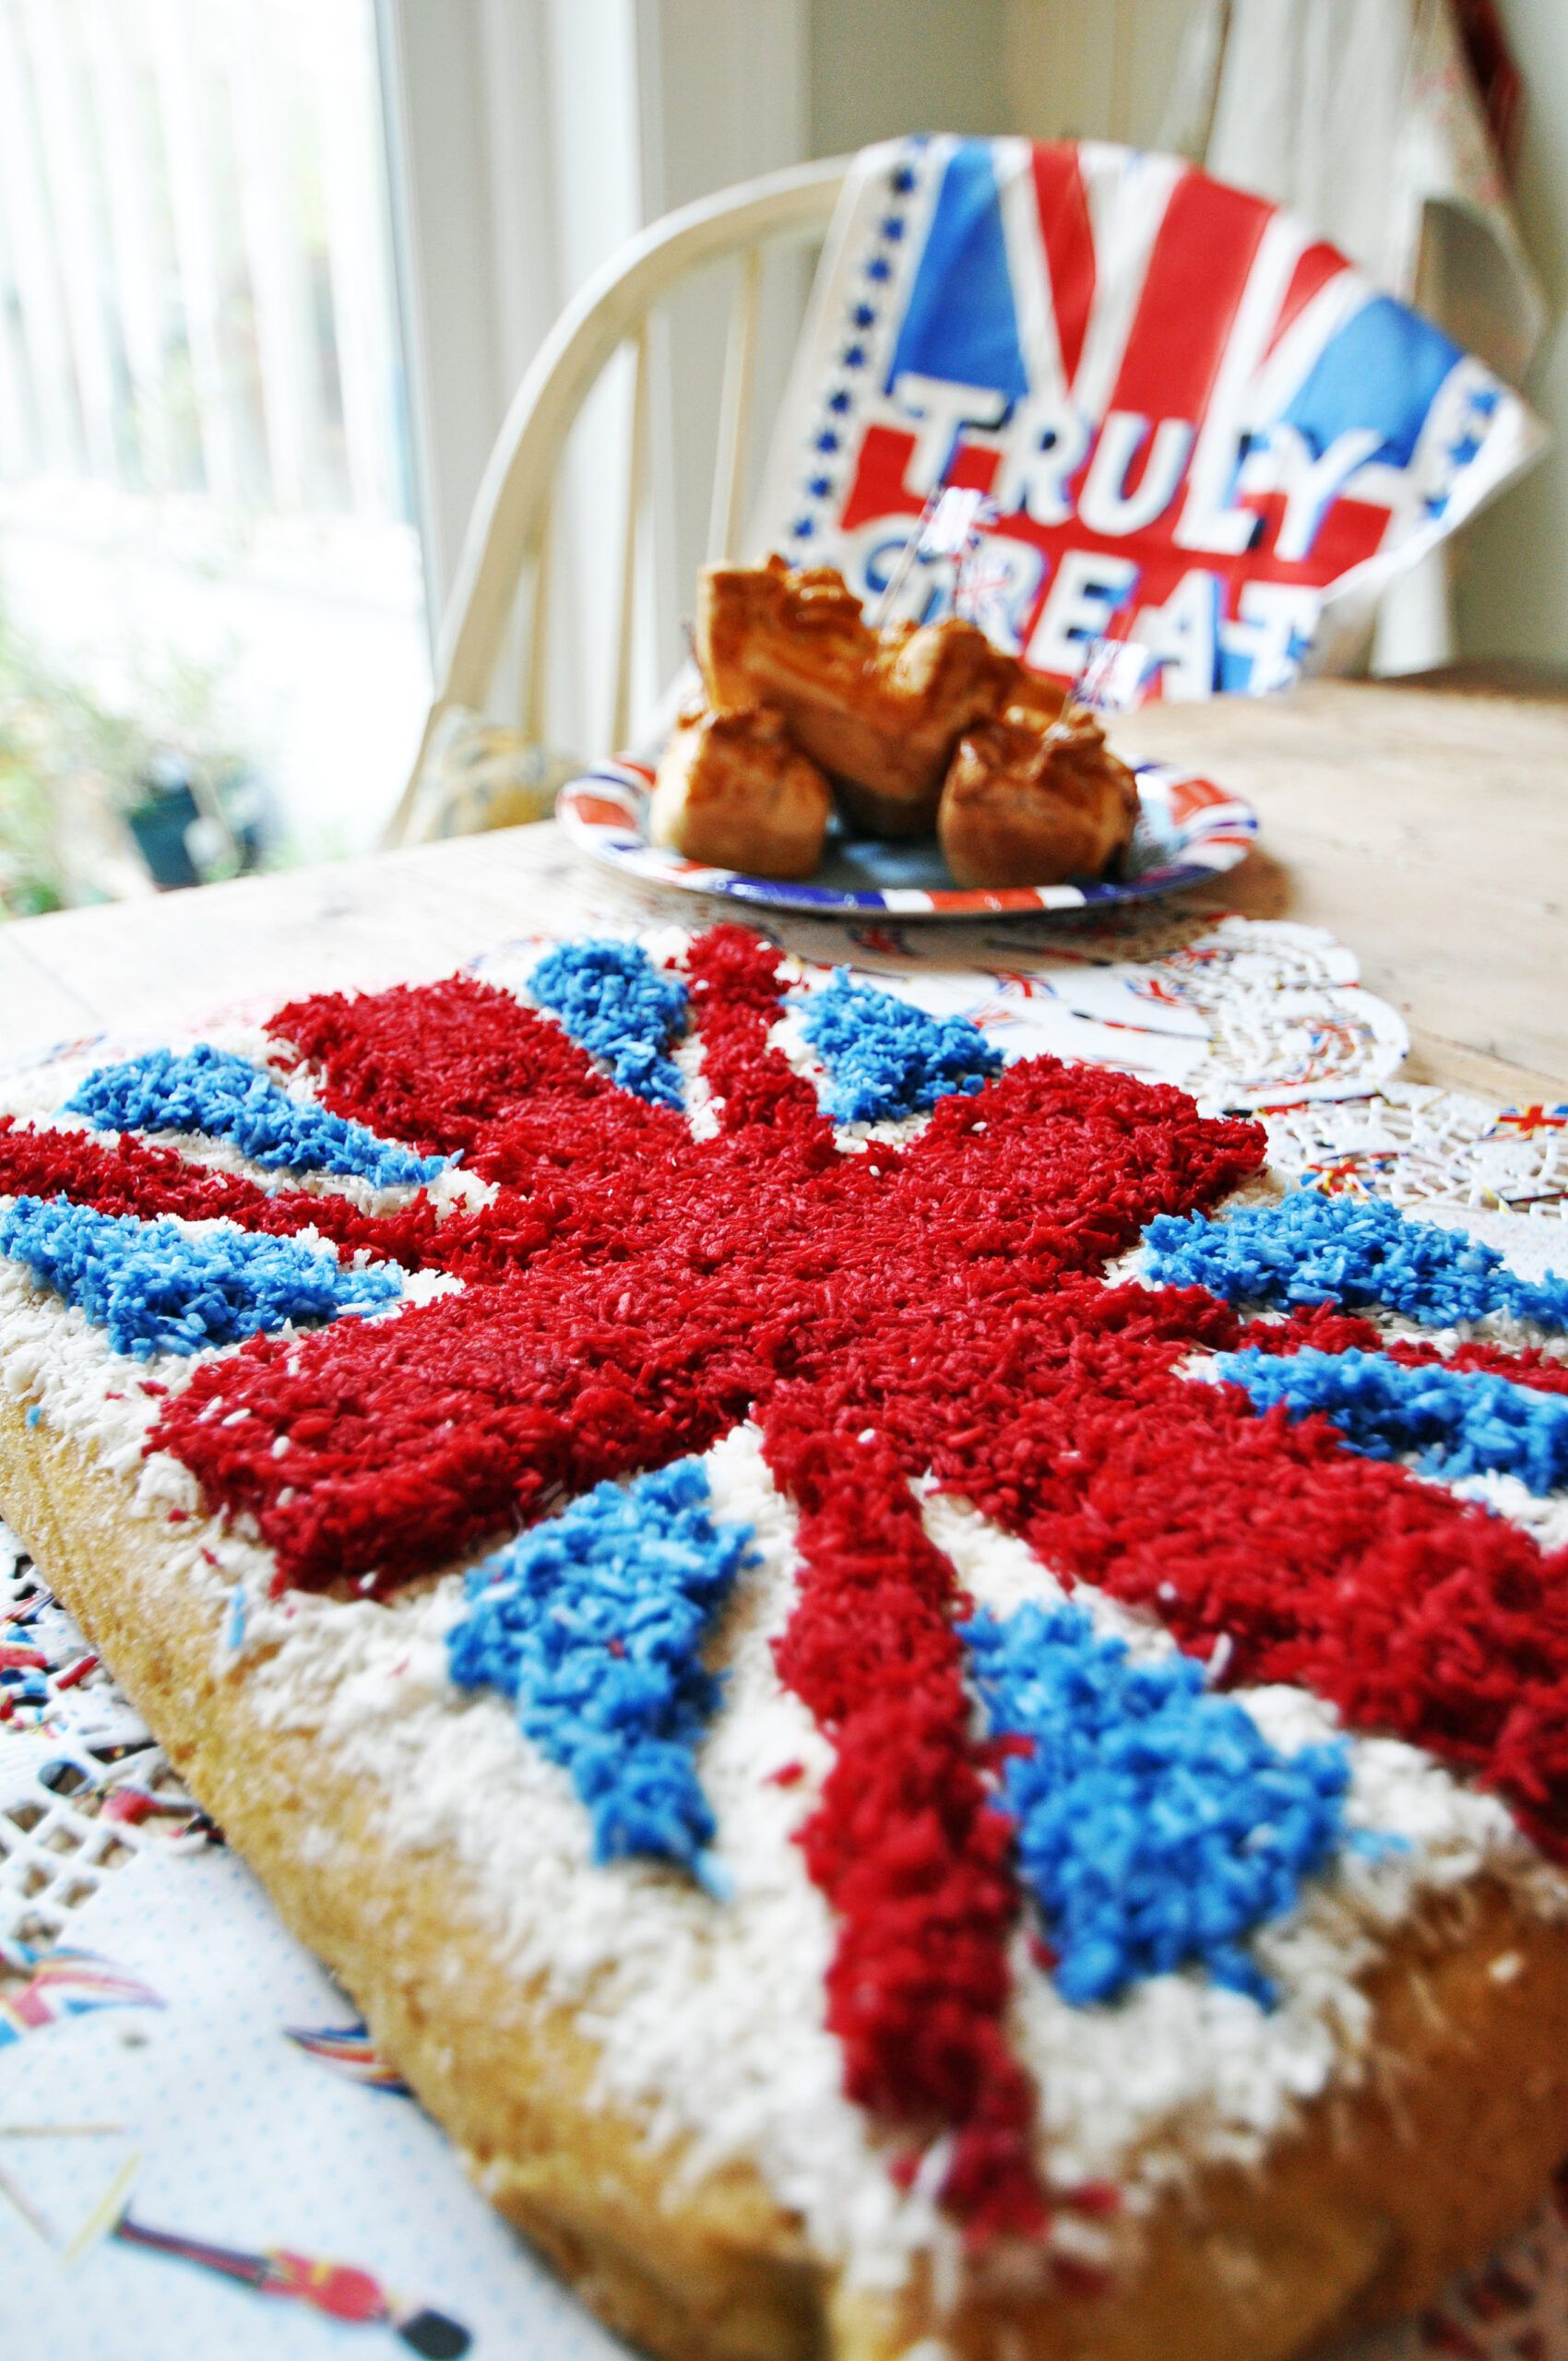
point(1362, 116)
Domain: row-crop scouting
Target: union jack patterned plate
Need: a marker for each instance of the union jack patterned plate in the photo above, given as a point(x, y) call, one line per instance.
point(1189, 829)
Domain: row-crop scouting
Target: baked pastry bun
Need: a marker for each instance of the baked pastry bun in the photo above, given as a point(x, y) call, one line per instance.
point(731, 791)
point(1027, 806)
point(881, 711)
point(1034, 701)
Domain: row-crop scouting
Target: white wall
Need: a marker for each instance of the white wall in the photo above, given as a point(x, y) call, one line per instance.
point(1514, 589)
point(880, 68)
point(1090, 70)
point(516, 156)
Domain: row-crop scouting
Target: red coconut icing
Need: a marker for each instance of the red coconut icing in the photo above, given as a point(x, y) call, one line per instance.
point(904, 1843)
point(632, 1293)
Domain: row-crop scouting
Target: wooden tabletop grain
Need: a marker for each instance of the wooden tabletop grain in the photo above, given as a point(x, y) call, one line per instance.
point(1426, 825)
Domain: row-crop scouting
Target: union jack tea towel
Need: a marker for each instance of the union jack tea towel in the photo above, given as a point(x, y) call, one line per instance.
point(1194, 422)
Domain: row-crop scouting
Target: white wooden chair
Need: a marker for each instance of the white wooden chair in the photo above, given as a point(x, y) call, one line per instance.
point(507, 544)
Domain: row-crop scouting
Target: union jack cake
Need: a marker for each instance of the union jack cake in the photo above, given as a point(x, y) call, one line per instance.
point(927, 1711)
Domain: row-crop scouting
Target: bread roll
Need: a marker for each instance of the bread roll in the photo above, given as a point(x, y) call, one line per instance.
point(733, 793)
point(1023, 806)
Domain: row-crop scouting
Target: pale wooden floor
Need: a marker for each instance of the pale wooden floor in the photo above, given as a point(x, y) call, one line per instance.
point(1426, 825)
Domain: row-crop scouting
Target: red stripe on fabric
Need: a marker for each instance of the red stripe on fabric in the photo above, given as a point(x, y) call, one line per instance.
point(904, 1843)
point(1316, 264)
point(1066, 229)
point(1354, 529)
point(1197, 273)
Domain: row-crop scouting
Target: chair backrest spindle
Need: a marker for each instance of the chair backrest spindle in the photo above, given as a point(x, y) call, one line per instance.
point(735, 409)
point(536, 654)
point(636, 499)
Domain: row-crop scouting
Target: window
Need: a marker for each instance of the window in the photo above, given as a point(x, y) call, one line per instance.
point(214, 637)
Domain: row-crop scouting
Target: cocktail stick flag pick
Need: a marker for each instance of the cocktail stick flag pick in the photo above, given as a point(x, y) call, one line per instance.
point(1193, 423)
point(947, 527)
point(339, 2291)
point(336, 2290)
point(1116, 675)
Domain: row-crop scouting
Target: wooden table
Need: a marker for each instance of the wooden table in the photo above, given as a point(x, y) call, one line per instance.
point(1425, 824)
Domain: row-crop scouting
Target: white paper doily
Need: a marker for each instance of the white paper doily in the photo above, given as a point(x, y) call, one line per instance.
point(1426, 1149)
